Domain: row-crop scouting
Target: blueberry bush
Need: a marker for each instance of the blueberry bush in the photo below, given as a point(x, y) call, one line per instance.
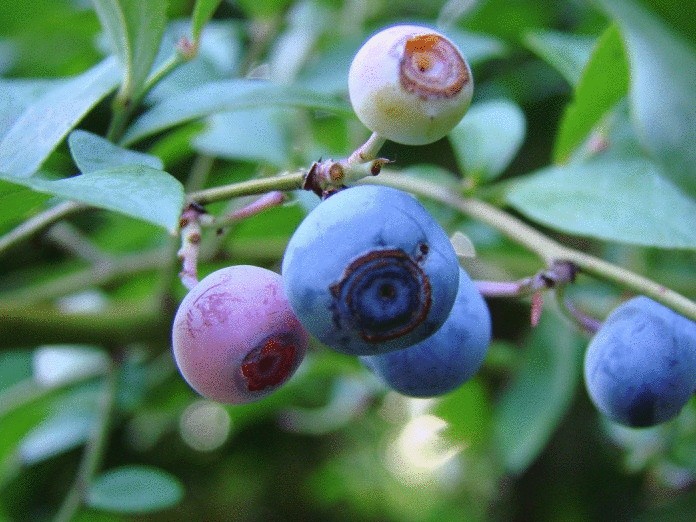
point(347, 260)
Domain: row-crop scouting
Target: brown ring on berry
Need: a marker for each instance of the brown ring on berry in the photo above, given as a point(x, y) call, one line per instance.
point(431, 67)
point(389, 270)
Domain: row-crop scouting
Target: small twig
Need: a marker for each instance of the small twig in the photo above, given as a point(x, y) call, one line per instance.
point(560, 274)
point(38, 222)
point(284, 181)
point(327, 177)
point(70, 239)
point(90, 277)
point(265, 202)
point(190, 244)
point(93, 452)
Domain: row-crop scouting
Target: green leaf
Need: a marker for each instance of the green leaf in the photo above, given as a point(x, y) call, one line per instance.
point(135, 489)
point(91, 152)
point(663, 83)
point(467, 412)
point(227, 96)
point(130, 190)
point(44, 124)
point(487, 138)
point(17, 203)
point(202, 13)
point(567, 53)
point(135, 30)
point(622, 200)
point(249, 134)
point(531, 408)
point(603, 83)
point(262, 8)
point(54, 436)
point(17, 95)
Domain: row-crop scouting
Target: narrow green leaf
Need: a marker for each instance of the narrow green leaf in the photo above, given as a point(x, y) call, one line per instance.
point(531, 408)
point(487, 138)
point(566, 52)
point(202, 13)
point(54, 436)
point(135, 489)
point(44, 124)
point(603, 83)
point(663, 83)
point(622, 200)
point(91, 152)
point(130, 190)
point(227, 96)
point(135, 29)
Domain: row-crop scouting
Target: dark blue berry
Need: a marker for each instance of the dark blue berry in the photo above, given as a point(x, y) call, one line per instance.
point(640, 368)
point(370, 271)
point(446, 359)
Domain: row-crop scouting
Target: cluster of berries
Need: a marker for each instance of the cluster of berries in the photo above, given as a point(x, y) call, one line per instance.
point(370, 273)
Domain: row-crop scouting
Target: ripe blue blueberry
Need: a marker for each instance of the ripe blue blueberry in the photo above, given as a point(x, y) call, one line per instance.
point(235, 338)
point(370, 271)
point(640, 368)
point(446, 359)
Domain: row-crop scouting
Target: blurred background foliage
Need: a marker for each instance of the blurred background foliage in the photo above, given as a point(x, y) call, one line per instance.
point(521, 441)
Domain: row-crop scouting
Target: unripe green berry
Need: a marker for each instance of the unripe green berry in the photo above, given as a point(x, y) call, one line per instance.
point(410, 84)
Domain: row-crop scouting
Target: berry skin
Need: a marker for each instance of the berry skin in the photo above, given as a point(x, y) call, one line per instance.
point(410, 84)
point(446, 359)
point(235, 338)
point(640, 368)
point(370, 271)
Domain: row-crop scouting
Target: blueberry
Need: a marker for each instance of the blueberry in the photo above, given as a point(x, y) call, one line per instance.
point(370, 271)
point(446, 359)
point(235, 338)
point(640, 368)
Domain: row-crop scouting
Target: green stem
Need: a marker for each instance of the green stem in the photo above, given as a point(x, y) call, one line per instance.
point(92, 276)
point(33, 326)
point(546, 248)
point(283, 182)
point(38, 222)
point(124, 106)
point(93, 452)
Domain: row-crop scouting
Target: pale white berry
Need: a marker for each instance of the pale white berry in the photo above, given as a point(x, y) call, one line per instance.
point(410, 84)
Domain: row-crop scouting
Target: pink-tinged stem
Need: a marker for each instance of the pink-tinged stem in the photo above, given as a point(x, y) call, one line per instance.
point(190, 246)
point(503, 288)
point(265, 202)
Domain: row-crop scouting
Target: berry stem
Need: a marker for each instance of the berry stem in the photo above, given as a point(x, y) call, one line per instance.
point(586, 323)
point(270, 200)
point(368, 150)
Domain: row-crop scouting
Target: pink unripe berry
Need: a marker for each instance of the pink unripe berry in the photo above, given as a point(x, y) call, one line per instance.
point(235, 338)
